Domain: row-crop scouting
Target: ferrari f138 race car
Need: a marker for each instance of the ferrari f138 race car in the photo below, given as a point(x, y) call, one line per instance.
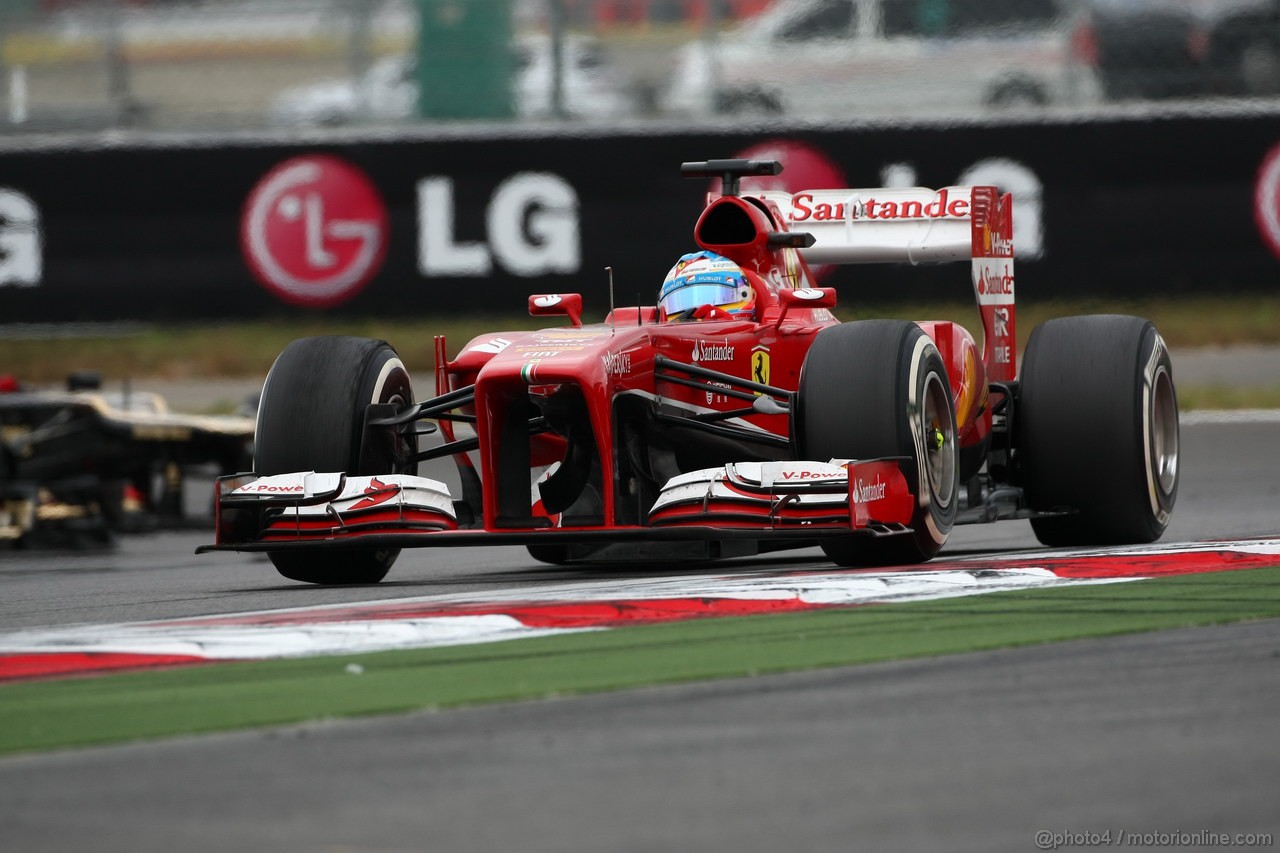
point(737, 415)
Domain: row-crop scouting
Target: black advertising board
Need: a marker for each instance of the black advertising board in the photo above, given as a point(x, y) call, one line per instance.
point(420, 225)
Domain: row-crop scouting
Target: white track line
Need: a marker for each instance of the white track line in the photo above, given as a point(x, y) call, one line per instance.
point(450, 620)
point(238, 637)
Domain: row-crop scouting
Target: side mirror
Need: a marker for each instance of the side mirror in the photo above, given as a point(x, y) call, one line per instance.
point(557, 305)
point(806, 297)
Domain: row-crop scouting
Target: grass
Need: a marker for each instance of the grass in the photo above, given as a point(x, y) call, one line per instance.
point(178, 352)
point(111, 709)
point(226, 350)
point(1218, 397)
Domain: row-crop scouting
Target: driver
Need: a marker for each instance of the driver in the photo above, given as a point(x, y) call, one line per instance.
point(705, 286)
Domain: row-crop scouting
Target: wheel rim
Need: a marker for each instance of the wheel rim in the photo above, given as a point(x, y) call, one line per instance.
point(939, 440)
point(394, 387)
point(398, 400)
point(1164, 432)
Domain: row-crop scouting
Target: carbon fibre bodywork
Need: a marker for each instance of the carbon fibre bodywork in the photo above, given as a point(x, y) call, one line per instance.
point(88, 462)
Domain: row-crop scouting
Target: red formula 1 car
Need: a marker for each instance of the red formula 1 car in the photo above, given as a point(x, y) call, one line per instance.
point(735, 416)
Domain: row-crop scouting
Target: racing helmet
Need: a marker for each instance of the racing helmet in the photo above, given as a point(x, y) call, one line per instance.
point(704, 285)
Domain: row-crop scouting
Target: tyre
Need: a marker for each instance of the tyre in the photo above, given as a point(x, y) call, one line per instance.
point(311, 418)
point(748, 102)
point(1097, 430)
point(1015, 93)
point(878, 388)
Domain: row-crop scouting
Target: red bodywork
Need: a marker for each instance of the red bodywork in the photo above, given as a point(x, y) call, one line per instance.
point(586, 379)
point(618, 356)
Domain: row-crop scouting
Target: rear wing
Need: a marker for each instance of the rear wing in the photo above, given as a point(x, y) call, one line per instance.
point(855, 226)
point(917, 225)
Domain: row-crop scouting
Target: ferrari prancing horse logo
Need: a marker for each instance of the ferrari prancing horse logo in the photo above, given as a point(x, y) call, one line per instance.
point(760, 367)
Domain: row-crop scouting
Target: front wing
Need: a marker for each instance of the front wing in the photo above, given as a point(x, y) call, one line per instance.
point(750, 500)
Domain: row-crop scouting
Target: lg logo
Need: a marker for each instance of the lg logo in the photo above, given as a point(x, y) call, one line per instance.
point(21, 245)
point(1266, 200)
point(315, 230)
point(532, 224)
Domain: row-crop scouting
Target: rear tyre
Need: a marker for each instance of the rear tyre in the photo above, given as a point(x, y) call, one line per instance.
point(1017, 92)
point(879, 388)
point(311, 418)
point(1097, 430)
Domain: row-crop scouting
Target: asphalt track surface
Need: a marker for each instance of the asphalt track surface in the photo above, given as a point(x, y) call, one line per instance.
point(1166, 732)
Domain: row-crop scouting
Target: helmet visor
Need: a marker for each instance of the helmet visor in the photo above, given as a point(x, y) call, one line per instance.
point(698, 293)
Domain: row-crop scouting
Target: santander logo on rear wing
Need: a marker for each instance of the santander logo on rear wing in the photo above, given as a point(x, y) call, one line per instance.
point(914, 225)
point(918, 225)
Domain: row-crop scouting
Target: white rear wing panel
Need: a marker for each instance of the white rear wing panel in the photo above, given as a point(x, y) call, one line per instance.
point(858, 226)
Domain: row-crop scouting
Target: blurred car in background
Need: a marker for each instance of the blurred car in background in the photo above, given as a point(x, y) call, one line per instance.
point(84, 463)
point(388, 92)
point(850, 58)
point(1183, 48)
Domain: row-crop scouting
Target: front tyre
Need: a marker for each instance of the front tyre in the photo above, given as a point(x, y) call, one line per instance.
point(1097, 431)
point(878, 388)
point(311, 418)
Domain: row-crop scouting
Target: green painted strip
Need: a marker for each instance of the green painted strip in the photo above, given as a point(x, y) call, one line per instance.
point(110, 709)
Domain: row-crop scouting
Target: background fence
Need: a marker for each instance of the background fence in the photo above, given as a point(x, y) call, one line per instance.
point(218, 64)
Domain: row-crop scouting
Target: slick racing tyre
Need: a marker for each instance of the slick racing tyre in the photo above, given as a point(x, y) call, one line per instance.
point(1097, 431)
point(878, 388)
point(311, 418)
